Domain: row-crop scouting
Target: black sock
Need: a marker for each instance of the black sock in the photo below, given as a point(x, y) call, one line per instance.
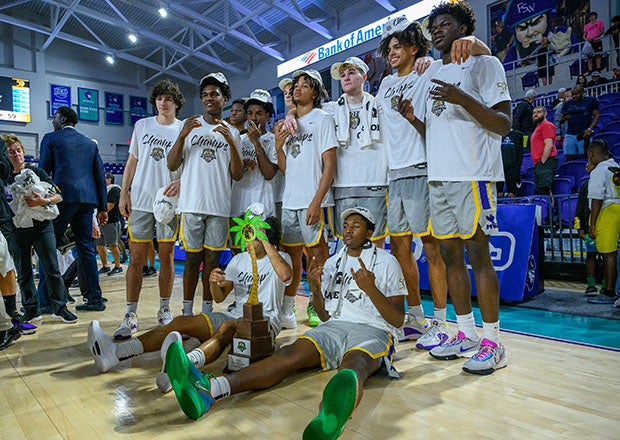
point(10, 304)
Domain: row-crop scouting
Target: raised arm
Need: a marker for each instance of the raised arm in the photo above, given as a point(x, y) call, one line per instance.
point(175, 155)
point(279, 264)
point(267, 168)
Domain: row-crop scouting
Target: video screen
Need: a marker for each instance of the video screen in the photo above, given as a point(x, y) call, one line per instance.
point(14, 99)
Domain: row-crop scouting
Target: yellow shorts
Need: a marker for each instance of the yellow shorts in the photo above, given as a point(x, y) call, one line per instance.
point(608, 229)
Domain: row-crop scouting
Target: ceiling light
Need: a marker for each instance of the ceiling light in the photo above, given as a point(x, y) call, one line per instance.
point(163, 12)
point(110, 59)
point(132, 38)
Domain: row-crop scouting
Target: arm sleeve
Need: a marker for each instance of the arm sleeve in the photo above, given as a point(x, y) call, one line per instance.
point(327, 132)
point(596, 185)
point(493, 87)
point(134, 144)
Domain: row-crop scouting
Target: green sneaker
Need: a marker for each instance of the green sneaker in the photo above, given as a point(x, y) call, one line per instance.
point(339, 397)
point(191, 388)
point(313, 318)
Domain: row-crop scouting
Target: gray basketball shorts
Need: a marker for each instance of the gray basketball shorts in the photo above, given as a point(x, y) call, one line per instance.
point(202, 231)
point(109, 234)
point(216, 319)
point(408, 211)
point(295, 232)
point(333, 339)
point(142, 226)
point(458, 208)
point(376, 205)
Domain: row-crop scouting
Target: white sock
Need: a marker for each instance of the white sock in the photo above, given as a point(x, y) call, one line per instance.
point(439, 314)
point(220, 387)
point(164, 303)
point(490, 331)
point(188, 307)
point(132, 307)
point(127, 349)
point(207, 307)
point(467, 325)
point(287, 305)
point(197, 357)
point(417, 312)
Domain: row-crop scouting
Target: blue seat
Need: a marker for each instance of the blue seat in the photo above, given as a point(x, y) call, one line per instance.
point(615, 151)
point(529, 173)
point(612, 137)
point(583, 180)
point(567, 210)
point(613, 126)
point(529, 80)
point(544, 203)
point(526, 163)
point(562, 185)
point(613, 109)
point(527, 188)
point(573, 168)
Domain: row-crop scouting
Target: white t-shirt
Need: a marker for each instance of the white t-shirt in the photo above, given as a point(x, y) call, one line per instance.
point(459, 147)
point(316, 133)
point(270, 286)
point(601, 185)
point(358, 166)
point(405, 147)
point(356, 306)
point(206, 184)
point(150, 144)
point(253, 187)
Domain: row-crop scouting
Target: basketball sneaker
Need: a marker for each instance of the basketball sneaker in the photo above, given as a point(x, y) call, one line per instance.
point(191, 388)
point(458, 346)
point(591, 291)
point(436, 335)
point(289, 321)
point(102, 347)
point(164, 316)
point(162, 380)
point(126, 328)
point(490, 357)
point(313, 318)
point(412, 329)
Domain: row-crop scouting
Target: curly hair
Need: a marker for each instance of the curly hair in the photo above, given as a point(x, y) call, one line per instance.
point(316, 86)
point(275, 233)
point(10, 139)
point(460, 10)
point(167, 87)
point(267, 106)
point(410, 36)
point(210, 81)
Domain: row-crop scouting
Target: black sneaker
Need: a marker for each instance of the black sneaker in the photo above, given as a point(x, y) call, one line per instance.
point(30, 316)
point(103, 270)
point(25, 328)
point(150, 271)
point(8, 337)
point(66, 316)
point(88, 307)
point(70, 299)
point(591, 291)
point(115, 271)
point(75, 284)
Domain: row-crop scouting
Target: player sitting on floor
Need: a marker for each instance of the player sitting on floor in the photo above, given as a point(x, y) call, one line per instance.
point(214, 331)
point(360, 293)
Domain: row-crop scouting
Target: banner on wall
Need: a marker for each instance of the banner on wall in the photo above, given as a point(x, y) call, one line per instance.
point(113, 108)
point(88, 104)
point(514, 253)
point(59, 96)
point(137, 108)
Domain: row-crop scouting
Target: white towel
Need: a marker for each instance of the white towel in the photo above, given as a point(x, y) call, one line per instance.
point(25, 184)
point(372, 121)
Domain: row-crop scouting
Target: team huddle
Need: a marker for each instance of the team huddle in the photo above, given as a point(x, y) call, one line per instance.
point(420, 158)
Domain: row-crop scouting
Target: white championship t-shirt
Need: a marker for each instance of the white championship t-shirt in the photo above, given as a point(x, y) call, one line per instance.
point(270, 286)
point(404, 145)
point(459, 147)
point(150, 144)
point(206, 184)
point(316, 133)
point(253, 187)
point(601, 186)
point(356, 306)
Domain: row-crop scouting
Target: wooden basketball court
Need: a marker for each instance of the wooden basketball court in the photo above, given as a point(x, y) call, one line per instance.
point(51, 389)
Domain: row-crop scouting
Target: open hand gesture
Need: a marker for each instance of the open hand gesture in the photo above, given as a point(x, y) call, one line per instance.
point(224, 130)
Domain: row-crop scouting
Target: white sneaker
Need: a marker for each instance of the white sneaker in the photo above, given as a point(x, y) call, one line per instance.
point(164, 316)
point(162, 380)
point(102, 347)
point(289, 321)
point(436, 335)
point(457, 346)
point(412, 329)
point(128, 327)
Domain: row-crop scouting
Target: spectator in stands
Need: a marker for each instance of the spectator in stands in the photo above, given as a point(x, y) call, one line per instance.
point(581, 113)
point(559, 98)
point(582, 80)
point(597, 80)
point(544, 61)
point(614, 31)
point(501, 40)
point(592, 32)
point(560, 127)
point(615, 76)
point(522, 116)
point(604, 217)
point(544, 154)
point(512, 156)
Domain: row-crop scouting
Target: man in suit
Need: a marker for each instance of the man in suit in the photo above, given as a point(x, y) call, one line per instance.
point(73, 161)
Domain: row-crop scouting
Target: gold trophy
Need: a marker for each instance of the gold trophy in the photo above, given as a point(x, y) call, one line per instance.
point(253, 341)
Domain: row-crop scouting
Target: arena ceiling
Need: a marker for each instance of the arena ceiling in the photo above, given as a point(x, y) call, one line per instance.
point(194, 36)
